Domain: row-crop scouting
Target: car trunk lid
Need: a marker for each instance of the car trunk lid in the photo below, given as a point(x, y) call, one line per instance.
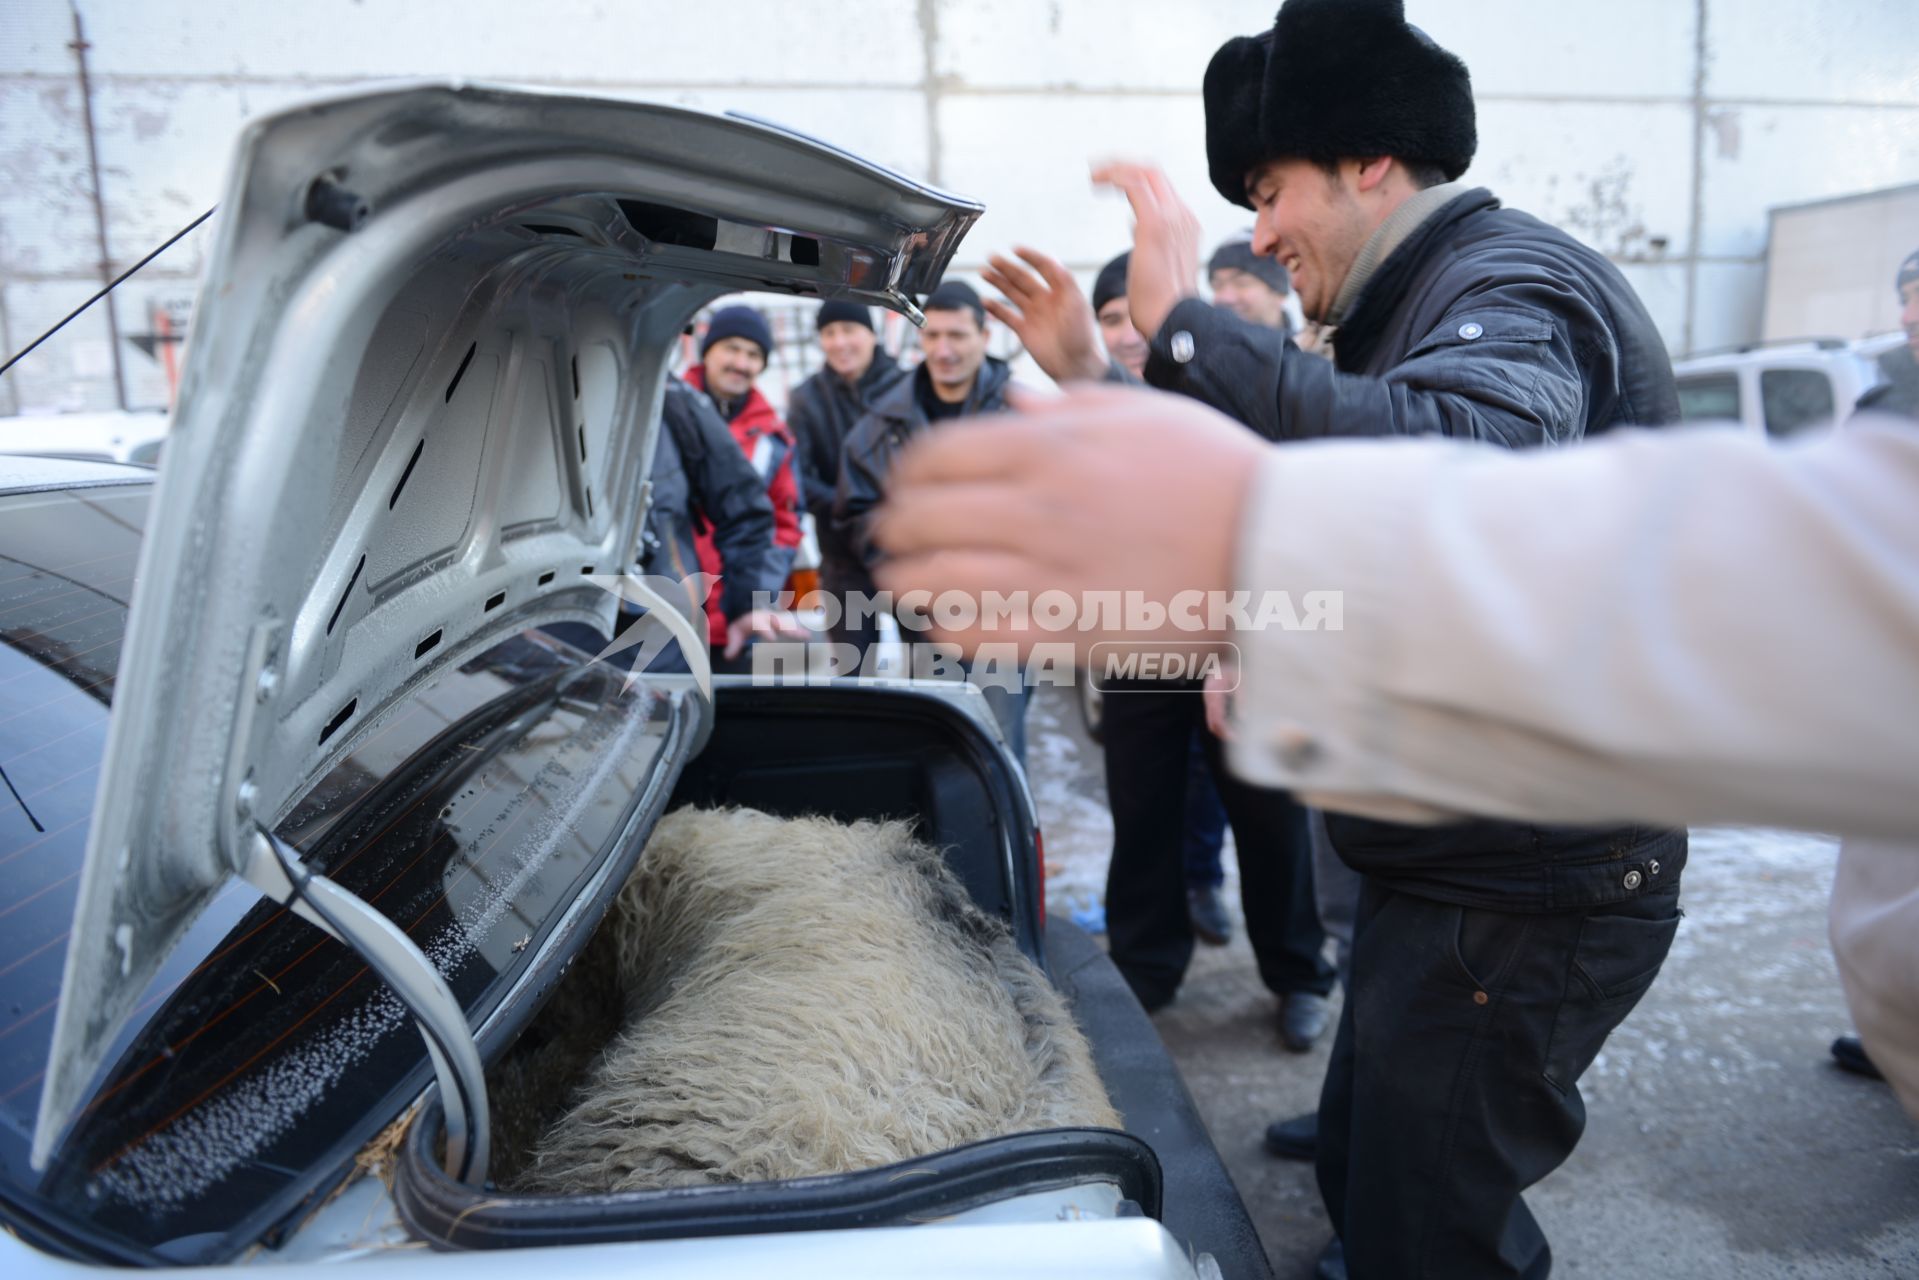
point(417, 414)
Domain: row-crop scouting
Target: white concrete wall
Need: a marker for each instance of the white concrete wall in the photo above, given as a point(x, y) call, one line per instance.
point(1659, 130)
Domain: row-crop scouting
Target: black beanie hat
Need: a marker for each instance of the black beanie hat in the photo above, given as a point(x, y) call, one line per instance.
point(955, 295)
point(1908, 272)
point(1238, 255)
point(1111, 281)
point(840, 311)
point(738, 322)
point(1340, 79)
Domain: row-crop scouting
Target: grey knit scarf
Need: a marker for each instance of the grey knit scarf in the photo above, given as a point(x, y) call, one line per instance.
point(1389, 235)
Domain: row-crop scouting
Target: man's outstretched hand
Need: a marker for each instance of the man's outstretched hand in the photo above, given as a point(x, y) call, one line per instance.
point(761, 624)
point(1165, 264)
point(1098, 490)
point(1045, 308)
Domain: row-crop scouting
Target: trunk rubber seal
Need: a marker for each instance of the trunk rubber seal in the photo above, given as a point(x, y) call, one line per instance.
point(450, 1215)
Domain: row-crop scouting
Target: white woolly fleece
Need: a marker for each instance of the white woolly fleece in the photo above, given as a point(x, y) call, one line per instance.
point(809, 997)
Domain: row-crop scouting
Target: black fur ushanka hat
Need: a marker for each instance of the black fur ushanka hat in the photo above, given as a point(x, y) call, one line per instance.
point(1335, 79)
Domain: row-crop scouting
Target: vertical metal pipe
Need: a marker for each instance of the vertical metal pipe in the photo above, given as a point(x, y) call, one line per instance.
point(1696, 235)
point(79, 47)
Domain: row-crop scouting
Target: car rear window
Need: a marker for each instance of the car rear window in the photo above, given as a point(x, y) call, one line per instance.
point(1712, 396)
point(265, 1054)
point(1794, 399)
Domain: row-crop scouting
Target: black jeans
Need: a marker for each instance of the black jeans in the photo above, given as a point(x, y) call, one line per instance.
point(1453, 1084)
point(1147, 731)
point(861, 629)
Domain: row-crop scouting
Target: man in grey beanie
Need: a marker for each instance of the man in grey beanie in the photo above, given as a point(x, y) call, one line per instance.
point(1252, 287)
point(822, 411)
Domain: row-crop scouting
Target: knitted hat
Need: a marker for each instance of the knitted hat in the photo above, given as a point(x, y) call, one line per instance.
point(1238, 255)
point(737, 322)
point(1908, 272)
point(840, 311)
point(955, 295)
point(1111, 282)
point(1336, 79)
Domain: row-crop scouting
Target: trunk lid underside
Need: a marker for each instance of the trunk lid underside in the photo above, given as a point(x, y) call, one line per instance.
point(417, 416)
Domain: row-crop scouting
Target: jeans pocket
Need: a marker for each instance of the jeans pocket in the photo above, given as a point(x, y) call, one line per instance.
point(1484, 944)
point(1613, 964)
point(1619, 956)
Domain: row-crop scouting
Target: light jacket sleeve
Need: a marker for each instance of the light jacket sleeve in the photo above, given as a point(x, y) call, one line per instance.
point(1687, 627)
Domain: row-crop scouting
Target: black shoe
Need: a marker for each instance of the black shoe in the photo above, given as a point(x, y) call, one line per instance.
point(1302, 1020)
point(1851, 1056)
point(1332, 1263)
point(1295, 1139)
point(1210, 922)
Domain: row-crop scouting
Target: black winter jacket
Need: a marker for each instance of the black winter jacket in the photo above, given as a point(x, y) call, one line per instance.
point(1485, 324)
point(702, 480)
point(1899, 392)
point(895, 418)
point(822, 411)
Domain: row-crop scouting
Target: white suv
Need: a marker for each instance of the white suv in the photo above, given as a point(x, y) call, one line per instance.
point(1782, 388)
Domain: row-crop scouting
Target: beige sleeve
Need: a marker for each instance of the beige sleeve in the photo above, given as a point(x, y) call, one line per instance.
point(1676, 627)
point(1875, 937)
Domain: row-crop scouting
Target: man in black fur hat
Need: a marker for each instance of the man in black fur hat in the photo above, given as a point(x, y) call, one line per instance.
point(1491, 959)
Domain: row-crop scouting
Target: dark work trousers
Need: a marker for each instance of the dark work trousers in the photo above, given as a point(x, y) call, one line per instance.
point(1147, 732)
point(1205, 818)
point(1453, 1084)
point(862, 630)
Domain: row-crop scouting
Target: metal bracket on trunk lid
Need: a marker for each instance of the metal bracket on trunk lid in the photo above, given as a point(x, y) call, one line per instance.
point(275, 869)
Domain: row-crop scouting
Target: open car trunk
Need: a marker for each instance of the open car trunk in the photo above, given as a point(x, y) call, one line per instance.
point(416, 424)
point(868, 752)
point(844, 753)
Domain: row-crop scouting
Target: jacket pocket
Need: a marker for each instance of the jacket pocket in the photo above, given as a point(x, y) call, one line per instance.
point(1483, 326)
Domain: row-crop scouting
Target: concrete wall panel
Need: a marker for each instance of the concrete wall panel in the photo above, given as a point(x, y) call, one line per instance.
point(1730, 304)
point(1757, 157)
point(740, 42)
point(1630, 48)
point(72, 372)
point(886, 126)
point(1851, 51)
point(46, 211)
point(1030, 158)
point(1087, 44)
point(1661, 287)
point(1613, 174)
point(1588, 116)
point(34, 38)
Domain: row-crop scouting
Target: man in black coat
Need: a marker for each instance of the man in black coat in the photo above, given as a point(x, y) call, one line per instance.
point(956, 379)
point(1490, 959)
point(702, 482)
point(821, 411)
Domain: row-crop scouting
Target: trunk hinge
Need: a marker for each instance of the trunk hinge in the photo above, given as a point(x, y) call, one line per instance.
point(274, 868)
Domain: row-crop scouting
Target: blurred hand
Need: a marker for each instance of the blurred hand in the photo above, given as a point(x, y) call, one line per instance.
point(1101, 489)
point(1052, 317)
point(1165, 264)
point(762, 624)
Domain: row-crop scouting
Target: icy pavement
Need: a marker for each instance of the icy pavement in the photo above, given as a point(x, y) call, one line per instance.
point(1720, 1141)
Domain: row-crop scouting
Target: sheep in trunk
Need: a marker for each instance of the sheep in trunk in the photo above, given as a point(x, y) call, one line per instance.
point(808, 997)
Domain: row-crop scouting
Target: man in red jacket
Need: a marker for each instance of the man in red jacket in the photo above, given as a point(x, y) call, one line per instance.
point(733, 354)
